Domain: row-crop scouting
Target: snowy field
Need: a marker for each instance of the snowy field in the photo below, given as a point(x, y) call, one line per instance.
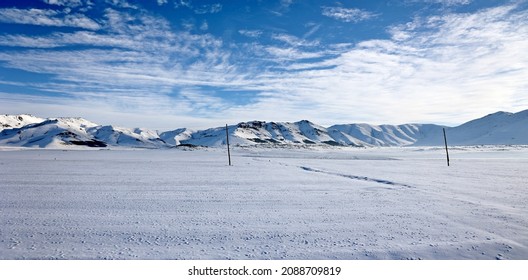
point(378, 203)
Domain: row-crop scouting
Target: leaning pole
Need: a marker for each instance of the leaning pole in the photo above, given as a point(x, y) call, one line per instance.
point(445, 142)
point(227, 141)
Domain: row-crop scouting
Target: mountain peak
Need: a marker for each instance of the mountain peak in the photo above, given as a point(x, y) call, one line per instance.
point(16, 121)
point(499, 114)
point(251, 124)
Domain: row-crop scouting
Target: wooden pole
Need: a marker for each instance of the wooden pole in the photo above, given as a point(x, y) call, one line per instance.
point(227, 141)
point(445, 141)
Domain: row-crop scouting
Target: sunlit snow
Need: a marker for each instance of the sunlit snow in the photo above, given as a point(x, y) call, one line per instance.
point(346, 203)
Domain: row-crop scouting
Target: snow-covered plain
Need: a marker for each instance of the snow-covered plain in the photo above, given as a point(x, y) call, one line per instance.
point(340, 203)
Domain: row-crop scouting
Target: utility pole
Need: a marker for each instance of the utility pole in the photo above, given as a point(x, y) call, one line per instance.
point(227, 141)
point(445, 141)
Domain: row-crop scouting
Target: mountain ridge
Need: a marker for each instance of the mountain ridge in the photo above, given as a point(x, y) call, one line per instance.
point(500, 128)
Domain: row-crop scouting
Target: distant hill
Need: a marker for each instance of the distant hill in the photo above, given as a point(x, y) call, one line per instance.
point(500, 128)
point(74, 132)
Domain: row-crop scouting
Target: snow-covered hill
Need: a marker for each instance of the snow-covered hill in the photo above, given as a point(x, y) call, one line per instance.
point(174, 137)
point(260, 132)
point(500, 128)
point(384, 135)
point(497, 129)
point(73, 133)
point(119, 136)
point(51, 133)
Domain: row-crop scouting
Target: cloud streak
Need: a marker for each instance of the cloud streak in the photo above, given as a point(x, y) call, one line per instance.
point(347, 15)
point(47, 18)
point(250, 33)
point(447, 3)
point(66, 3)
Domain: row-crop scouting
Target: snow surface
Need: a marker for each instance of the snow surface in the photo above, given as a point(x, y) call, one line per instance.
point(362, 203)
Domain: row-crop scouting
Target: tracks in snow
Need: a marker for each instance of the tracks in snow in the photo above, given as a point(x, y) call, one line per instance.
point(353, 177)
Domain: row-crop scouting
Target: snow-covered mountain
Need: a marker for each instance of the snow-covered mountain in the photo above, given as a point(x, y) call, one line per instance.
point(259, 132)
point(307, 133)
point(174, 137)
point(500, 128)
point(119, 136)
point(383, 135)
point(51, 133)
point(74, 132)
point(497, 129)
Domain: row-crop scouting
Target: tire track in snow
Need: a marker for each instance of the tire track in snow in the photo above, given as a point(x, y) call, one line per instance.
point(353, 177)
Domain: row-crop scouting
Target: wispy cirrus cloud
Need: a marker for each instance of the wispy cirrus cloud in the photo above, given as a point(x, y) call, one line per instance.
point(347, 14)
point(250, 33)
point(208, 9)
point(286, 3)
point(146, 56)
point(66, 3)
point(47, 18)
point(122, 4)
point(444, 62)
point(453, 66)
point(282, 8)
point(281, 54)
point(313, 29)
point(293, 40)
point(199, 9)
point(447, 3)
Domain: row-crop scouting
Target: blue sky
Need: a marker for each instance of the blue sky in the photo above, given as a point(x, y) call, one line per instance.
point(164, 64)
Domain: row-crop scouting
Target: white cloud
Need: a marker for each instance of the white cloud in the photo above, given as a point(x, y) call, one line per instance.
point(28, 41)
point(162, 2)
point(204, 26)
point(121, 4)
point(47, 18)
point(280, 54)
point(208, 9)
point(443, 2)
point(66, 3)
point(200, 9)
point(182, 3)
point(294, 41)
point(347, 15)
point(286, 3)
point(313, 29)
point(188, 25)
point(461, 65)
point(146, 56)
point(250, 33)
point(450, 69)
